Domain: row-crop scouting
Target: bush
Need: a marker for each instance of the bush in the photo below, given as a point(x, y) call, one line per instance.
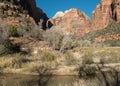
point(37, 32)
point(19, 60)
point(86, 70)
point(112, 43)
point(3, 35)
point(13, 31)
point(70, 59)
point(47, 56)
point(27, 20)
point(87, 58)
point(54, 37)
point(11, 47)
point(58, 40)
point(15, 15)
point(25, 11)
point(34, 31)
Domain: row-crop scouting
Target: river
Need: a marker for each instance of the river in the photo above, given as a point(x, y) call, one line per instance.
point(106, 79)
point(29, 80)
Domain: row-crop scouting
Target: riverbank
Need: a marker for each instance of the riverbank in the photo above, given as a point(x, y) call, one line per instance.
point(55, 63)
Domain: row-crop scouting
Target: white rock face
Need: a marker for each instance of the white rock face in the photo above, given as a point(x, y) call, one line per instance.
point(59, 14)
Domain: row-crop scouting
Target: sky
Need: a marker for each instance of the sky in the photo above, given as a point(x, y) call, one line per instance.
point(50, 7)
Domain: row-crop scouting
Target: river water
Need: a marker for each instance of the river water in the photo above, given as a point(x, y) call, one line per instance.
point(27, 80)
point(106, 79)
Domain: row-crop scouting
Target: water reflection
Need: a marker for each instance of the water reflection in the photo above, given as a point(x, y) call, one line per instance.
point(25, 80)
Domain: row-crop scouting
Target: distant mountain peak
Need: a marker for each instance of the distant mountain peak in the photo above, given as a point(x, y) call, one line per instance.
point(73, 20)
point(62, 13)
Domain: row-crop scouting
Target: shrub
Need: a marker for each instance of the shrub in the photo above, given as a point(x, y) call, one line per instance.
point(19, 60)
point(84, 43)
point(58, 40)
point(54, 37)
point(15, 15)
point(86, 70)
point(13, 31)
point(27, 20)
point(3, 38)
point(87, 58)
point(34, 31)
point(47, 56)
point(112, 43)
point(70, 59)
point(37, 32)
point(11, 47)
point(68, 42)
point(3, 35)
point(25, 11)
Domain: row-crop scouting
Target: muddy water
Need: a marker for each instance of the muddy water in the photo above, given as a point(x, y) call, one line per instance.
point(27, 80)
point(108, 79)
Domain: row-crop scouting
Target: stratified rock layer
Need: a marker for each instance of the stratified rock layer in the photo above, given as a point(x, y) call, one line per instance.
point(74, 21)
point(107, 11)
point(34, 11)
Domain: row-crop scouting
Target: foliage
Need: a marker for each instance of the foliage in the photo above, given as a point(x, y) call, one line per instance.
point(54, 37)
point(57, 39)
point(11, 47)
point(13, 31)
point(112, 43)
point(33, 30)
point(47, 56)
point(87, 58)
point(15, 15)
point(86, 70)
point(70, 59)
point(3, 35)
point(25, 11)
point(27, 20)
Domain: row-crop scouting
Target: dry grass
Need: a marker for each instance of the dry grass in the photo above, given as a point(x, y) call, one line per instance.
point(71, 58)
point(106, 55)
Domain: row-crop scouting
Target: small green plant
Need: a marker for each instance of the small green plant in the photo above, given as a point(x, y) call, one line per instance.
point(13, 31)
point(25, 11)
point(15, 15)
point(27, 20)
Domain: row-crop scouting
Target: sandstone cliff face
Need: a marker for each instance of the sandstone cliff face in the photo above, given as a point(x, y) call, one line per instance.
point(74, 21)
point(34, 11)
point(12, 15)
point(105, 12)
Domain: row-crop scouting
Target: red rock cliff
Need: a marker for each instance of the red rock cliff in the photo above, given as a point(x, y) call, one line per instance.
point(73, 20)
point(105, 12)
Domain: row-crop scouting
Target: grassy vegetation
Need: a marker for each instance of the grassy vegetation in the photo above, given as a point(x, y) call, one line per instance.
point(106, 55)
point(53, 59)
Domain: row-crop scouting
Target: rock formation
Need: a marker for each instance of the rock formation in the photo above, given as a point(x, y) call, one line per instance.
point(34, 11)
point(29, 6)
point(74, 21)
point(107, 11)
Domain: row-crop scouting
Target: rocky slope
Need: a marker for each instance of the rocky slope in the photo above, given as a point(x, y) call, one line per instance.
point(13, 15)
point(26, 7)
point(106, 11)
point(34, 11)
point(73, 20)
